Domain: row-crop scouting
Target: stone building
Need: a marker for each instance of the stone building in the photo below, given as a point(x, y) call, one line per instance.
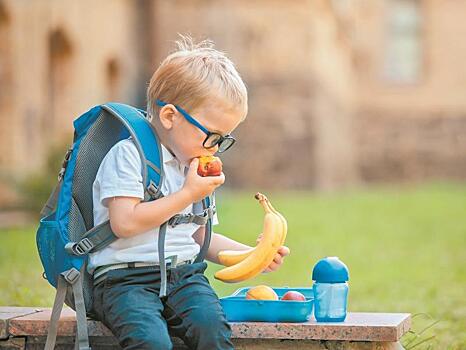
point(58, 58)
point(340, 91)
point(411, 86)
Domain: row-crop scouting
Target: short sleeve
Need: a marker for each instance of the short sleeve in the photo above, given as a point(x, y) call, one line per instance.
point(120, 172)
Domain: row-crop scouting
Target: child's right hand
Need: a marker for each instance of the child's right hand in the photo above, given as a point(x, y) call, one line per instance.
point(199, 187)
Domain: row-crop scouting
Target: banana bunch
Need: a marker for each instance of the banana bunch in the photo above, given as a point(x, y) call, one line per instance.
point(246, 264)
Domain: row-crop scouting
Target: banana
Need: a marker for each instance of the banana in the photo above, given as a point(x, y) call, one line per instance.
point(282, 218)
point(262, 255)
point(232, 257)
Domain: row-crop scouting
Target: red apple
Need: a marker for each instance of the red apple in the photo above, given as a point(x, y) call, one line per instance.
point(293, 295)
point(209, 166)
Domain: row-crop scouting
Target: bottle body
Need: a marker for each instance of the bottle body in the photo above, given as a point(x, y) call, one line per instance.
point(330, 301)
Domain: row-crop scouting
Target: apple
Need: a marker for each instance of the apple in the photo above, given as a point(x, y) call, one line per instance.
point(293, 295)
point(209, 166)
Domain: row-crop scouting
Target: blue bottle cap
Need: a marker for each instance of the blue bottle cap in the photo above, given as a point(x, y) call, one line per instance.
point(330, 270)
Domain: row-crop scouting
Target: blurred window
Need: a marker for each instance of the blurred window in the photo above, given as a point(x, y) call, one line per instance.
point(60, 52)
point(403, 50)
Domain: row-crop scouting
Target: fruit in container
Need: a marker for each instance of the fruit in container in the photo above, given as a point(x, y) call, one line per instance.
point(209, 166)
point(261, 292)
point(293, 295)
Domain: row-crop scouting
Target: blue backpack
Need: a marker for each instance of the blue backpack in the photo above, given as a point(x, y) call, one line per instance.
point(66, 232)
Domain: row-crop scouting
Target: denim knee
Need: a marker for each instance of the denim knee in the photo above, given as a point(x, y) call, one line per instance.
point(147, 340)
point(209, 330)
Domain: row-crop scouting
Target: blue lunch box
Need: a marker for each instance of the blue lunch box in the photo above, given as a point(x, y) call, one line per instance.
point(239, 309)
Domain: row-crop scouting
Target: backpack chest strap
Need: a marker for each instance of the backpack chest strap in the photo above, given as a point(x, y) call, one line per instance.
point(102, 235)
point(198, 219)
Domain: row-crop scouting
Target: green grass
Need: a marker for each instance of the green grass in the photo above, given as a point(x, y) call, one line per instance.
point(404, 248)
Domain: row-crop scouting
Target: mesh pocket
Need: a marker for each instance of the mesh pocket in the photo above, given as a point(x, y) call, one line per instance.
point(50, 247)
point(55, 260)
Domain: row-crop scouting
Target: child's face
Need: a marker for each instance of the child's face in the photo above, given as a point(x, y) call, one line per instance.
point(185, 140)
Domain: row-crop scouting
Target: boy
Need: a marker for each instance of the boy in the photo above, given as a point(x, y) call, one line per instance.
point(199, 81)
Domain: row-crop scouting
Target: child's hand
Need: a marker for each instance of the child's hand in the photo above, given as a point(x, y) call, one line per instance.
point(279, 257)
point(278, 260)
point(200, 187)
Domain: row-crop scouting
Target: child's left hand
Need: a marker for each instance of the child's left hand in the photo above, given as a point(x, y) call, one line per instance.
point(278, 260)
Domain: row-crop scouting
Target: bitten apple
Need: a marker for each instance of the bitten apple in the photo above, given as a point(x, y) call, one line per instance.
point(209, 166)
point(293, 295)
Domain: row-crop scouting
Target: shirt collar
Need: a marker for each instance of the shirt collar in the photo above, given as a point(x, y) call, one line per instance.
point(170, 159)
point(167, 156)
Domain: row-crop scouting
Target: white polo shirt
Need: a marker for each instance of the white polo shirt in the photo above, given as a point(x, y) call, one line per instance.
point(119, 174)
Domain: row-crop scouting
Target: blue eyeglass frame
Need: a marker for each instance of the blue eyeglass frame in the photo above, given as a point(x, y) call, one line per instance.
point(194, 122)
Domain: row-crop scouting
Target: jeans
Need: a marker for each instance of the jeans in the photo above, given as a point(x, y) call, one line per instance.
point(128, 303)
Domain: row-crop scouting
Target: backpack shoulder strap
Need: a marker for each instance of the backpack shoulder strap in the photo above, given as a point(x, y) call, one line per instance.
point(74, 278)
point(148, 145)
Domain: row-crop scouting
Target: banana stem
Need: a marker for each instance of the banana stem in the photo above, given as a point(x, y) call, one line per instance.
point(264, 202)
point(267, 205)
point(262, 198)
point(259, 196)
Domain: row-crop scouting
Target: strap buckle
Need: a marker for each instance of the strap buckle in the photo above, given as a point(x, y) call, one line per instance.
point(207, 214)
point(180, 219)
point(82, 247)
point(71, 276)
point(153, 191)
point(200, 219)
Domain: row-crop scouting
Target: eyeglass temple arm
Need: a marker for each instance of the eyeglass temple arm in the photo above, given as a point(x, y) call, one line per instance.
point(186, 115)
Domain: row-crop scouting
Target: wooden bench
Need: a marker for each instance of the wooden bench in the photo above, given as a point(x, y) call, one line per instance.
point(26, 328)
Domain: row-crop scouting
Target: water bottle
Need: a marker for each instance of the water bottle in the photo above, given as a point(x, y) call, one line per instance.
point(330, 276)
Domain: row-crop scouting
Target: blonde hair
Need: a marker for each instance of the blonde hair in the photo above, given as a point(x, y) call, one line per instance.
point(192, 74)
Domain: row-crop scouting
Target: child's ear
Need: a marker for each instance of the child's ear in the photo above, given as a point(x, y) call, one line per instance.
point(167, 116)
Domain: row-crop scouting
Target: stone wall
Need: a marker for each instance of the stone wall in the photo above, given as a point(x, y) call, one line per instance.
point(297, 67)
point(321, 115)
point(411, 147)
point(58, 59)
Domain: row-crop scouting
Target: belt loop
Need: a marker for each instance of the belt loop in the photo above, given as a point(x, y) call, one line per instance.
point(173, 260)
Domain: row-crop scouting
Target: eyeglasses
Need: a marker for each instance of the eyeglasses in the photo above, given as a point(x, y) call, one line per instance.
point(213, 139)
